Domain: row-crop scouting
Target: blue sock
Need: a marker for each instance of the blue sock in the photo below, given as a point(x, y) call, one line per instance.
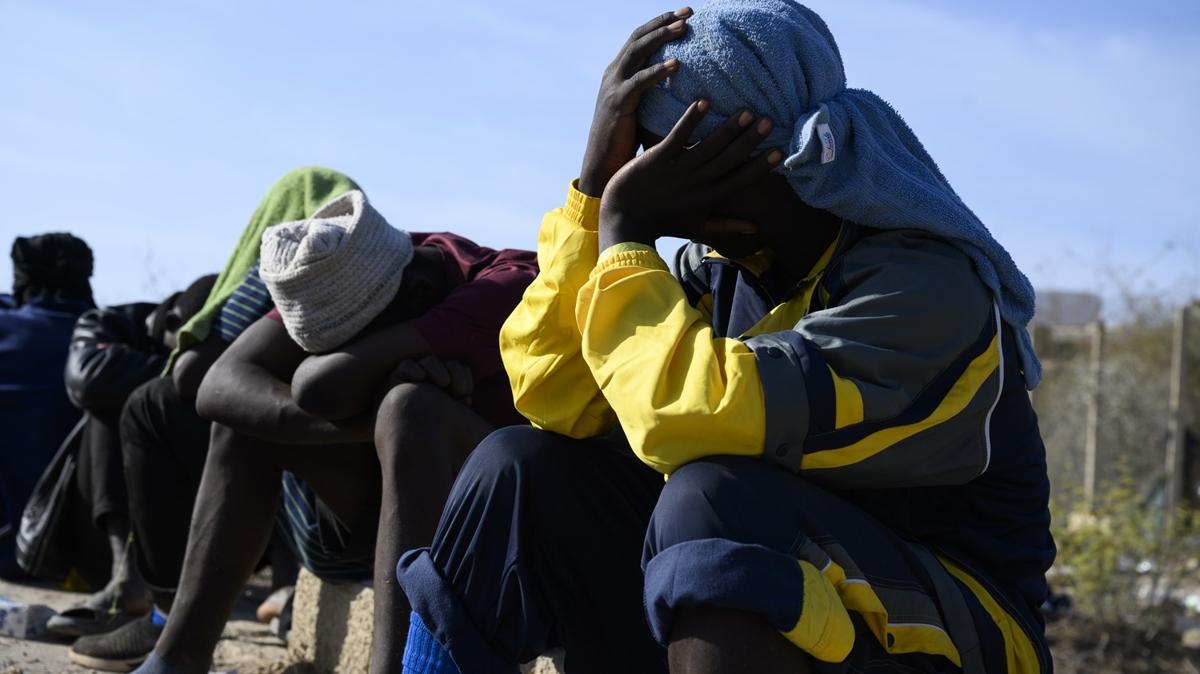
point(423, 654)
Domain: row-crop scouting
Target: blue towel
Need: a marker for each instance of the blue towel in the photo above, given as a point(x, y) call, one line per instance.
point(847, 150)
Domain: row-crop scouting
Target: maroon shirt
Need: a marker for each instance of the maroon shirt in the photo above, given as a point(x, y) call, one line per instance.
point(485, 286)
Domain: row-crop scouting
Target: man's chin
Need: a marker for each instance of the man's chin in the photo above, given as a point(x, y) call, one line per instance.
point(735, 246)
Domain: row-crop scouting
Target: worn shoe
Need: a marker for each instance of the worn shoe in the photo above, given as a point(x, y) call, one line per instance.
point(102, 612)
point(122, 649)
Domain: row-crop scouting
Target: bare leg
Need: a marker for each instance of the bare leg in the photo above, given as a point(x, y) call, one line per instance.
point(101, 486)
point(232, 523)
point(422, 436)
point(710, 640)
point(238, 496)
point(126, 585)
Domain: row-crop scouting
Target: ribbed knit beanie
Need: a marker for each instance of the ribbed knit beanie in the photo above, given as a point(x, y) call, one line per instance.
point(331, 274)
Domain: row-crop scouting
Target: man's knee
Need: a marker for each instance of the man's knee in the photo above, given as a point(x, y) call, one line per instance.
point(419, 404)
point(724, 533)
point(733, 498)
point(145, 411)
point(421, 417)
point(521, 458)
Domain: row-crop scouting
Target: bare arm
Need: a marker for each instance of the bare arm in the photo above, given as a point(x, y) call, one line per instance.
point(248, 389)
point(343, 384)
point(193, 364)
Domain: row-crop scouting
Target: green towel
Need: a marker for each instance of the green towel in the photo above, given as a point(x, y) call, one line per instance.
point(296, 196)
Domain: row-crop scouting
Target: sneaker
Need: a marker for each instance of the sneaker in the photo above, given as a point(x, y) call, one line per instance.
point(121, 650)
point(102, 612)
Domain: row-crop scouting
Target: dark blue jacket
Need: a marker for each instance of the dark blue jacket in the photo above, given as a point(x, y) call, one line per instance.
point(35, 412)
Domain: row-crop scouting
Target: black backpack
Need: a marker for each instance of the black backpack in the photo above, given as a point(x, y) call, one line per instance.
point(44, 546)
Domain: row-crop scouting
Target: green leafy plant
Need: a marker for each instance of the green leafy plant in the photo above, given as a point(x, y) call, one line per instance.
point(1125, 561)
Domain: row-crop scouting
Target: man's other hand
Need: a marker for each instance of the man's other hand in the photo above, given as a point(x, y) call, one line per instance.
point(449, 375)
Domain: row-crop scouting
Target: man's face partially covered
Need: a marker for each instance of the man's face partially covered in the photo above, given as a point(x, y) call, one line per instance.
point(770, 205)
point(424, 285)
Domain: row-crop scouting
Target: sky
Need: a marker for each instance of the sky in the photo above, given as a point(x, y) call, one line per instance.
point(152, 129)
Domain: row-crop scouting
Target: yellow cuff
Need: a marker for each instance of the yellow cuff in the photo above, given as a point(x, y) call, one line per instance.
point(629, 254)
point(624, 247)
point(824, 630)
point(582, 209)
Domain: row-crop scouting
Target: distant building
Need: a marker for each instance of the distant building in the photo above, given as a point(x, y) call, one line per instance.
point(1060, 307)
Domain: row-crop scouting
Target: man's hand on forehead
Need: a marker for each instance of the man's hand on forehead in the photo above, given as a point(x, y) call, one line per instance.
point(674, 189)
point(613, 140)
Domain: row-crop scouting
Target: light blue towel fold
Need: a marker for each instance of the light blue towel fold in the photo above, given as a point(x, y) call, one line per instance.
point(848, 151)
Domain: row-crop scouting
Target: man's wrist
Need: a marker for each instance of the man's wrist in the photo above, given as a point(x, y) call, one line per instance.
point(616, 229)
point(591, 185)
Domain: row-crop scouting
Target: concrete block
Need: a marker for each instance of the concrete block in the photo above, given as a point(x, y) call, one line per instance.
point(331, 629)
point(331, 625)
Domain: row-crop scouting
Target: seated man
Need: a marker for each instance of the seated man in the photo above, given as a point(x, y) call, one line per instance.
point(239, 297)
point(113, 351)
point(833, 378)
point(50, 290)
point(310, 390)
point(164, 442)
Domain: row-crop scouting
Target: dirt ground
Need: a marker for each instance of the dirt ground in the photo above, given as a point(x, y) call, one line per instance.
point(1082, 647)
point(247, 646)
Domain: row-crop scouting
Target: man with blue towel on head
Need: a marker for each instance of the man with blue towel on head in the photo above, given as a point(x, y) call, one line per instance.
point(832, 375)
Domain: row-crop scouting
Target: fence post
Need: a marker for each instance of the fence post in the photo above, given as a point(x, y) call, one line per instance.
point(1176, 424)
point(1040, 334)
point(1092, 437)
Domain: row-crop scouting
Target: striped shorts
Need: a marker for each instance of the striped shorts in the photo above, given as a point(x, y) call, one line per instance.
point(324, 544)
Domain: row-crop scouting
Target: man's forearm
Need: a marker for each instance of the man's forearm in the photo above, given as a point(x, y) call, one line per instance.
point(345, 383)
point(253, 402)
point(193, 364)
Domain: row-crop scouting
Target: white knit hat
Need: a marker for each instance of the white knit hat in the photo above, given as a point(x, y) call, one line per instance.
point(332, 274)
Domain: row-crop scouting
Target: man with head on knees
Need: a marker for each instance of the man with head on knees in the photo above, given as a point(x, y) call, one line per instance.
point(351, 405)
point(832, 375)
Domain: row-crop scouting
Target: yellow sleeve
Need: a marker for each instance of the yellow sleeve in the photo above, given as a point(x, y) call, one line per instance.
point(540, 343)
point(679, 393)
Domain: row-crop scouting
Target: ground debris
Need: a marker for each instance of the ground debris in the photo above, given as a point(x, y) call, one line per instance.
point(1084, 646)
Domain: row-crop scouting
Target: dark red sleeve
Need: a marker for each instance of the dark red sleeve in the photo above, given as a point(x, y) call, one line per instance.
point(466, 325)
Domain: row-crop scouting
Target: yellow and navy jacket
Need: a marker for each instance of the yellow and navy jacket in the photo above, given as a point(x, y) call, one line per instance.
point(885, 374)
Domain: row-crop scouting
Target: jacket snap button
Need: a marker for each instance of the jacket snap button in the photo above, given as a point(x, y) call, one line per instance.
point(775, 352)
point(782, 450)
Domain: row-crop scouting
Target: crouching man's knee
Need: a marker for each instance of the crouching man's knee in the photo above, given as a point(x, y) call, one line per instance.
point(146, 411)
point(521, 459)
point(721, 537)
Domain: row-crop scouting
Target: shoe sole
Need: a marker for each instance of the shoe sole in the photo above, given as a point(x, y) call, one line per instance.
point(107, 664)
